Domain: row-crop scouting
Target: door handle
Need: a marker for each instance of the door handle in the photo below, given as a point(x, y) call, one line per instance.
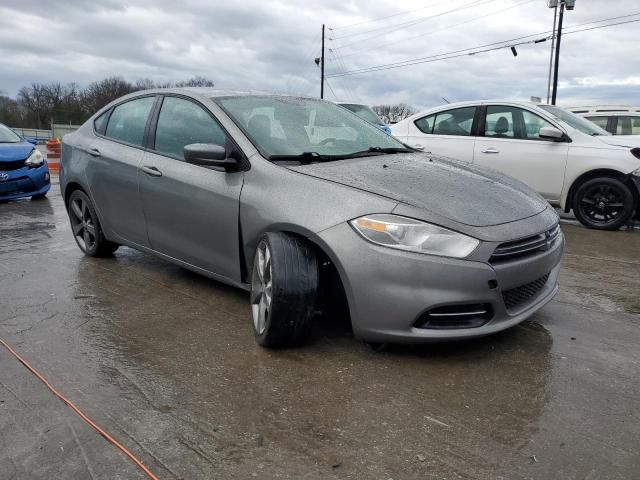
point(151, 170)
point(418, 147)
point(94, 152)
point(490, 150)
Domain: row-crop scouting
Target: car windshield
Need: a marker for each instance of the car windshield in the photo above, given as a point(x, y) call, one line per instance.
point(8, 136)
point(303, 128)
point(573, 120)
point(363, 112)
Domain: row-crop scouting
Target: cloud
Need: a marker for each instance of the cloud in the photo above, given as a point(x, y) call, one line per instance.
point(270, 45)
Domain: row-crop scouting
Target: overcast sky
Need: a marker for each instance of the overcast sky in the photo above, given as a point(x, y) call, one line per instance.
point(269, 45)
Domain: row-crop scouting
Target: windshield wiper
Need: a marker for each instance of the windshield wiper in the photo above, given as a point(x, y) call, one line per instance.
point(304, 157)
point(308, 157)
point(375, 151)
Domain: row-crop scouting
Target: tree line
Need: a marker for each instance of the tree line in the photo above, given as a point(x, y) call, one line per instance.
point(394, 113)
point(40, 104)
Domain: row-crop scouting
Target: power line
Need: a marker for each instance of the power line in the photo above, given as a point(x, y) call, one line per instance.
point(430, 32)
point(601, 26)
point(339, 63)
point(467, 50)
point(470, 51)
point(442, 56)
point(331, 89)
point(398, 26)
point(341, 27)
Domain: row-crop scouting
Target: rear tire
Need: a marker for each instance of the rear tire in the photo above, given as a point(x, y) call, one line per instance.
point(603, 203)
point(284, 287)
point(86, 228)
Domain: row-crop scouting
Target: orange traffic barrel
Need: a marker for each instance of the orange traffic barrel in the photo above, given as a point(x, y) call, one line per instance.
point(54, 149)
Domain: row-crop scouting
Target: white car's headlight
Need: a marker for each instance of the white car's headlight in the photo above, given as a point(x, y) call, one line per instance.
point(413, 235)
point(35, 159)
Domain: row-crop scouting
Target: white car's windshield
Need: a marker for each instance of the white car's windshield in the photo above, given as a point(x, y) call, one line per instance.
point(573, 120)
point(8, 136)
point(289, 127)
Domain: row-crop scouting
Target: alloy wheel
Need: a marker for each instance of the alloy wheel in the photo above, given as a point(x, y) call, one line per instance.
point(261, 288)
point(82, 224)
point(602, 204)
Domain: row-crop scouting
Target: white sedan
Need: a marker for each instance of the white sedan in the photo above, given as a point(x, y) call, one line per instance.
point(571, 162)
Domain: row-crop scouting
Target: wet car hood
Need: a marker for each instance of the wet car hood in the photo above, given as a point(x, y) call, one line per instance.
point(628, 141)
point(10, 152)
point(458, 191)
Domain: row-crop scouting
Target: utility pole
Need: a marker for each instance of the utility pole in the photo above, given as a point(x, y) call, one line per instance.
point(322, 66)
point(557, 59)
point(553, 44)
point(570, 5)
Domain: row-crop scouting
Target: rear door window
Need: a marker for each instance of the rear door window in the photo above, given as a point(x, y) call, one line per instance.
point(100, 123)
point(128, 121)
point(499, 122)
point(628, 126)
point(425, 124)
point(454, 122)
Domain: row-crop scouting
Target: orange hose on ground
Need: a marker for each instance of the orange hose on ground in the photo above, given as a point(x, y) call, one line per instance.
point(84, 417)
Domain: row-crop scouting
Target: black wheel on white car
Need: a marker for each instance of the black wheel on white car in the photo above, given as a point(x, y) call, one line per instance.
point(86, 227)
point(284, 284)
point(603, 203)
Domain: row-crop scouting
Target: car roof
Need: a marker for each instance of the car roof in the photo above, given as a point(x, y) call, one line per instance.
point(211, 92)
point(473, 103)
point(608, 113)
point(604, 109)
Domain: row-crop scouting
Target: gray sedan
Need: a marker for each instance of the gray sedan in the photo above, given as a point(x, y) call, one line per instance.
point(303, 204)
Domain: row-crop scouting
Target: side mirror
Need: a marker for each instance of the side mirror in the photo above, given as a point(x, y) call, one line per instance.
point(551, 133)
point(31, 140)
point(209, 155)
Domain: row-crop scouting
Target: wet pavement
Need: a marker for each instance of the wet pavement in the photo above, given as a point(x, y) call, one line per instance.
point(165, 361)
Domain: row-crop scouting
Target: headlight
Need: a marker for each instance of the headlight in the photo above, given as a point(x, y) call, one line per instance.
point(413, 235)
point(35, 159)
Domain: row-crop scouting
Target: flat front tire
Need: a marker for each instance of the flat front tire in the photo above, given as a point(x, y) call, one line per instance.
point(86, 226)
point(284, 284)
point(603, 203)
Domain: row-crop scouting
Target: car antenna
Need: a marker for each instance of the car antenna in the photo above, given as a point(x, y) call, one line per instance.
point(445, 100)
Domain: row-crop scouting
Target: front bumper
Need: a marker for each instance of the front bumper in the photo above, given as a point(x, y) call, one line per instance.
point(25, 182)
point(389, 290)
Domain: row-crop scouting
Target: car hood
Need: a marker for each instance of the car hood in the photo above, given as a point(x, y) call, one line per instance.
point(628, 141)
point(10, 152)
point(458, 191)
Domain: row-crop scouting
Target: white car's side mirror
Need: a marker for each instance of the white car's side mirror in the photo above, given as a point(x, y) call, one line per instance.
point(551, 133)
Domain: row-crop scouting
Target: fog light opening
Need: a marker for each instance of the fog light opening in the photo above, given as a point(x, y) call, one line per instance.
point(456, 316)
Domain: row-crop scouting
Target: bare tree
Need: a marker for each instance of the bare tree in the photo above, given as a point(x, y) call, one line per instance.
point(35, 100)
point(393, 113)
point(38, 104)
point(195, 82)
point(10, 112)
point(98, 94)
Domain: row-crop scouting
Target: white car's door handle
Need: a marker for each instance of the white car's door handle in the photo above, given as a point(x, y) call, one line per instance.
point(418, 147)
point(490, 150)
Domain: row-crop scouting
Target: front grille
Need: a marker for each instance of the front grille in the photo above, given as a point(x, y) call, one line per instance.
point(456, 316)
point(524, 293)
point(15, 187)
point(13, 165)
point(525, 246)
